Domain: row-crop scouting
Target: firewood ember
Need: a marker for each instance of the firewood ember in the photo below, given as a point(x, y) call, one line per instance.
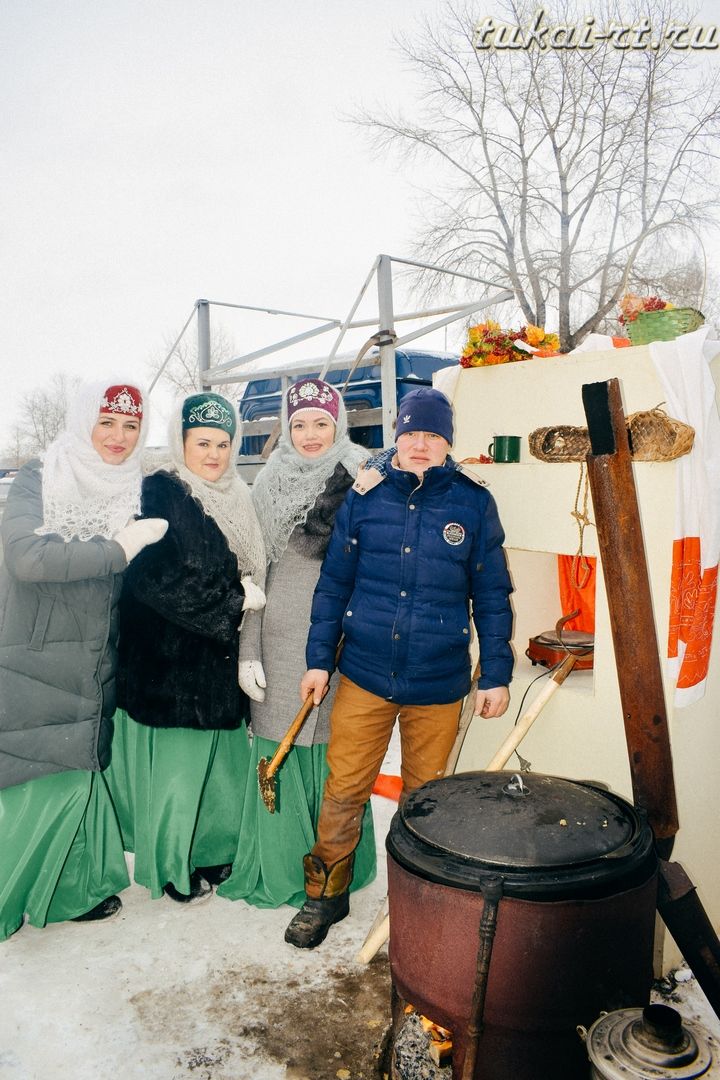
point(413, 1054)
point(440, 1051)
point(434, 1030)
point(439, 1044)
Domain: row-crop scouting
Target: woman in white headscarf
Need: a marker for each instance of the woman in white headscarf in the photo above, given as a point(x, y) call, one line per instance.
point(297, 495)
point(68, 535)
point(180, 754)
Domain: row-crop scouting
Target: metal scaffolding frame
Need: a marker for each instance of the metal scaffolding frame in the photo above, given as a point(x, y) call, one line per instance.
point(231, 371)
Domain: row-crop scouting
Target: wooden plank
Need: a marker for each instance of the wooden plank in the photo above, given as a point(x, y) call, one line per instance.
point(622, 551)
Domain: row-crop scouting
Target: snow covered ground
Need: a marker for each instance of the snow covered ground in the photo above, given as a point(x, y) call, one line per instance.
point(208, 993)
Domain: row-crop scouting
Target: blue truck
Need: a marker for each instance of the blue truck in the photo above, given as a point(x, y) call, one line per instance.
point(262, 395)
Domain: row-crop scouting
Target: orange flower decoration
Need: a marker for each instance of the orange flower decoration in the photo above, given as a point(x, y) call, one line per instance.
point(534, 335)
point(487, 344)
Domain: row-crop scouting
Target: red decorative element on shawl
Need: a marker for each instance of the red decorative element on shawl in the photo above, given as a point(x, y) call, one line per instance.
point(692, 610)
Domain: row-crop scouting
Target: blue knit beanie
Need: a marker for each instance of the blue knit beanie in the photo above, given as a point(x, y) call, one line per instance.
point(425, 409)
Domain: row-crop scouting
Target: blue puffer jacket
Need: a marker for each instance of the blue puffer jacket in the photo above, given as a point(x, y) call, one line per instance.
point(403, 563)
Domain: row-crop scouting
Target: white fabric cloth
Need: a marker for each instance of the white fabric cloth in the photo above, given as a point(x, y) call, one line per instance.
point(288, 485)
point(446, 379)
point(83, 496)
point(594, 343)
point(683, 368)
point(226, 500)
point(682, 365)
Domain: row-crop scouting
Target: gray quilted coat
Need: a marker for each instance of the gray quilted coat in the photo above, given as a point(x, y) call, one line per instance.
point(277, 635)
point(58, 631)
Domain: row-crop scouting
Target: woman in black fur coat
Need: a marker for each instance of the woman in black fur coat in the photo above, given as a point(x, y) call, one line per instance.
point(297, 495)
point(180, 753)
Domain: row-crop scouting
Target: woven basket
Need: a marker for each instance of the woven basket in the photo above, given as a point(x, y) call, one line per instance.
point(663, 325)
point(562, 443)
point(654, 436)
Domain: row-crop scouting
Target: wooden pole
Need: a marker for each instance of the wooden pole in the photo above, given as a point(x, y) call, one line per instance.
point(520, 730)
point(617, 518)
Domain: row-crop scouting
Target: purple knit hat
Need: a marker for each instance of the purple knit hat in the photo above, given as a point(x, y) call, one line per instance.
point(313, 394)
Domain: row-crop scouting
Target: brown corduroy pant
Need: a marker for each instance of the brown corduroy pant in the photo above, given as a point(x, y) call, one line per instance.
point(360, 728)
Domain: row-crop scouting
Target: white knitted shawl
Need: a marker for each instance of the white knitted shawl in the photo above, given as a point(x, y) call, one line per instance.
point(83, 496)
point(288, 485)
point(226, 500)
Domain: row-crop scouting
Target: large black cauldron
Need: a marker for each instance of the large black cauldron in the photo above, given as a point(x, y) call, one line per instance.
point(575, 924)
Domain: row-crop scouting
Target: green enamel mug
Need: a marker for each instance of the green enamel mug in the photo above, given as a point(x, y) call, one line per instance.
point(505, 448)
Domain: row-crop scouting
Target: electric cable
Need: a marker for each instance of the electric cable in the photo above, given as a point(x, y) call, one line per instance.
point(524, 763)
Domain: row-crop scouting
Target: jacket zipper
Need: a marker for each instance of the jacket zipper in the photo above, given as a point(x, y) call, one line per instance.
point(407, 504)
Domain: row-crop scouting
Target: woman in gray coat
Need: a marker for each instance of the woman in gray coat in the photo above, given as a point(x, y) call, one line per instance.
point(68, 533)
point(297, 495)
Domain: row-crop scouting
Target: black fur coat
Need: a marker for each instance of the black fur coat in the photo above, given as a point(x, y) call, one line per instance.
point(180, 611)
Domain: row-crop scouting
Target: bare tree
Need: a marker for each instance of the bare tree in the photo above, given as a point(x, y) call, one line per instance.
point(181, 370)
point(43, 411)
point(41, 415)
point(15, 451)
point(559, 162)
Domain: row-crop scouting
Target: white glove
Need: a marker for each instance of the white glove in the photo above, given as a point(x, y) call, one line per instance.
point(136, 535)
point(254, 596)
point(251, 678)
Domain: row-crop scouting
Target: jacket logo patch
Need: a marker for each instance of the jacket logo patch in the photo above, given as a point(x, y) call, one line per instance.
point(453, 533)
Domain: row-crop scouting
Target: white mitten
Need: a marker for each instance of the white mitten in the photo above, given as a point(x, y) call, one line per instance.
point(136, 535)
point(254, 596)
point(251, 678)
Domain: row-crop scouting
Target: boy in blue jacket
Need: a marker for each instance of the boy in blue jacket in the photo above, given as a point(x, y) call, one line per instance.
point(415, 542)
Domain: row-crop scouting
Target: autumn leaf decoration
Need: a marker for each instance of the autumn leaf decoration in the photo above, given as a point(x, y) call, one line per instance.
point(488, 344)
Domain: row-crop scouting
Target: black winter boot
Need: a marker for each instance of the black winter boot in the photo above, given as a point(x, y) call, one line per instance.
point(312, 922)
point(215, 875)
point(104, 910)
point(200, 890)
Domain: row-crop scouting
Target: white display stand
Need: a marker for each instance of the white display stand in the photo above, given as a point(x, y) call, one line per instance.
point(580, 733)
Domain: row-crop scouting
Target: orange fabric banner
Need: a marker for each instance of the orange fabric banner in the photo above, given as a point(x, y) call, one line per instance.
point(692, 609)
point(576, 578)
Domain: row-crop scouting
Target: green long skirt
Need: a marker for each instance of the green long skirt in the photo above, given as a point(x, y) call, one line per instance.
point(60, 849)
point(268, 865)
point(178, 796)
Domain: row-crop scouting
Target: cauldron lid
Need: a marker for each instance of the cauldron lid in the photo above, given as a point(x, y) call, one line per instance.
point(536, 820)
point(528, 829)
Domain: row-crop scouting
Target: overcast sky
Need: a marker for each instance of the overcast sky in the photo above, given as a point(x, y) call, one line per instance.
point(157, 151)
